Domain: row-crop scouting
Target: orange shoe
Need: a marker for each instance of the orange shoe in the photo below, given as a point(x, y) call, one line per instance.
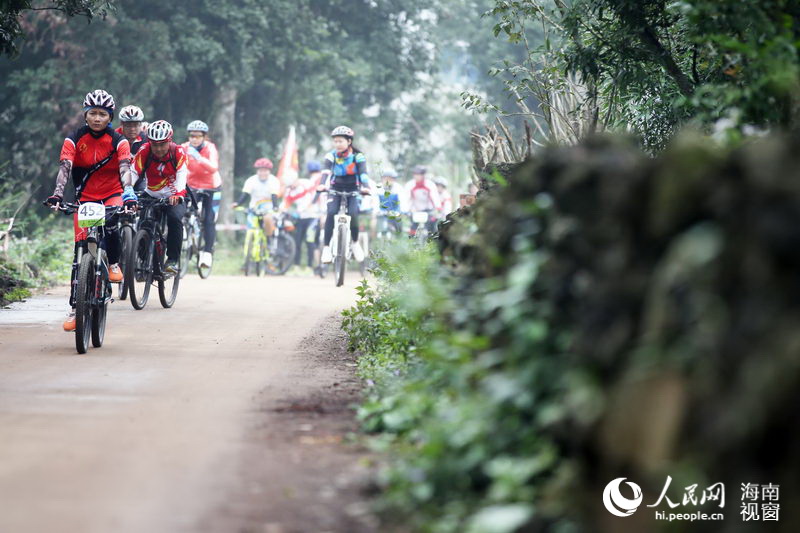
point(69, 323)
point(115, 274)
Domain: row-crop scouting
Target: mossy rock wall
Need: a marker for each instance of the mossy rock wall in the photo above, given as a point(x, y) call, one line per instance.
point(672, 285)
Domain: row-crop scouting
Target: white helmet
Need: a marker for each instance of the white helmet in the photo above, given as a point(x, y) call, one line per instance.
point(99, 98)
point(197, 125)
point(160, 130)
point(343, 131)
point(131, 113)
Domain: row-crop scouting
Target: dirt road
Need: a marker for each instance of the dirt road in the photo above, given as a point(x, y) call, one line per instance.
point(225, 413)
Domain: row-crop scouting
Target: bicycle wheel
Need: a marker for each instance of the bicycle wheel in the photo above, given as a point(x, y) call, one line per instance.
point(83, 302)
point(340, 262)
point(202, 271)
point(168, 283)
point(249, 251)
point(187, 250)
point(100, 309)
point(262, 266)
point(141, 269)
point(126, 241)
point(281, 254)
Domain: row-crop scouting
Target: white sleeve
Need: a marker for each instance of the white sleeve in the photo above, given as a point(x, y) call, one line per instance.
point(435, 198)
point(180, 178)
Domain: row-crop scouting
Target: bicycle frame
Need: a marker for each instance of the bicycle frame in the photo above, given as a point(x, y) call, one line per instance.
point(256, 235)
point(341, 219)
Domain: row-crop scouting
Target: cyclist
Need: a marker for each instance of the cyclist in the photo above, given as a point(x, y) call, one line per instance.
point(132, 128)
point(205, 180)
point(445, 200)
point(163, 166)
point(97, 158)
point(262, 188)
point(346, 170)
point(421, 194)
point(389, 194)
point(299, 198)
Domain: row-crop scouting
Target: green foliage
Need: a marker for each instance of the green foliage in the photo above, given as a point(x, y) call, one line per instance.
point(308, 63)
point(603, 314)
point(12, 288)
point(650, 66)
point(43, 256)
point(11, 10)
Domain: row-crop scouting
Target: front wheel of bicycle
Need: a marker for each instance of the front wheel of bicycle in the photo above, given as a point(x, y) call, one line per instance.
point(100, 309)
point(126, 241)
point(83, 303)
point(281, 250)
point(140, 271)
point(340, 262)
point(202, 270)
point(187, 250)
point(168, 285)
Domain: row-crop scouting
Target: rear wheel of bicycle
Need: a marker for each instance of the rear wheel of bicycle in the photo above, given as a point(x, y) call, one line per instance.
point(168, 286)
point(126, 241)
point(340, 262)
point(100, 309)
point(83, 302)
point(140, 276)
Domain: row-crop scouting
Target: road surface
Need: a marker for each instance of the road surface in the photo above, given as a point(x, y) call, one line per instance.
point(153, 431)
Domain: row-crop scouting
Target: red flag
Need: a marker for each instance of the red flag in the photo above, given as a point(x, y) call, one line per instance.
point(288, 169)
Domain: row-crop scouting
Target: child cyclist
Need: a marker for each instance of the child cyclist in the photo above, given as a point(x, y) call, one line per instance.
point(345, 171)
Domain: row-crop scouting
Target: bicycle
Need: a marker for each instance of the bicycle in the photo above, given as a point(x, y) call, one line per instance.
point(255, 244)
point(93, 289)
point(423, 225)
point(340, 241)
point(127, 230)
point(192, 238)
point(281, 247)
point(147, 260)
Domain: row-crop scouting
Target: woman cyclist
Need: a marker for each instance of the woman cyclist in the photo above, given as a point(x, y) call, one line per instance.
point(97, 158)
point(345, 170)
point(204, 178)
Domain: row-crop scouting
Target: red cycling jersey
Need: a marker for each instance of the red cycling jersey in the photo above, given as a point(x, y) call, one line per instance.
point(166, 176)
point(95, 161)
point(204, 170)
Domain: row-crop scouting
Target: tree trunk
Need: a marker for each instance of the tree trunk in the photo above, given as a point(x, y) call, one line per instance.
point(224, 135)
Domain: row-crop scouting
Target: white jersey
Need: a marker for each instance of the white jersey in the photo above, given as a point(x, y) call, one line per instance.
point(261, 191)
point(420, 196)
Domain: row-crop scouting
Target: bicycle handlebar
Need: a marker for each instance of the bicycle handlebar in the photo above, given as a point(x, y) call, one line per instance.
point(69, 208)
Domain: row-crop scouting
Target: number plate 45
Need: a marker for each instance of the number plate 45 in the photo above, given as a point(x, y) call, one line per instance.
point(91, 215)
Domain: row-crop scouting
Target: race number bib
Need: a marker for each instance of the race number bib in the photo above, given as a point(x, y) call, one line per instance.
point(91, 215)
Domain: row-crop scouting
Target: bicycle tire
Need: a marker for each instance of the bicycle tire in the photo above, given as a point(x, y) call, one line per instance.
point(202, 271)
point(100, 310)
point(262, 265)
point(141, 269)
point(187, 250)
point(340, 263)
point(167, 294)
point(248, 252)
point(126, 240)
point(83, 303)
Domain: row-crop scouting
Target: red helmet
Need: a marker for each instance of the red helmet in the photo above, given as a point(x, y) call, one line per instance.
point(263, 162)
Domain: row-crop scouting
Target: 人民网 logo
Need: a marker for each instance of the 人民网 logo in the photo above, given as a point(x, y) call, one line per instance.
point(616, 503)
